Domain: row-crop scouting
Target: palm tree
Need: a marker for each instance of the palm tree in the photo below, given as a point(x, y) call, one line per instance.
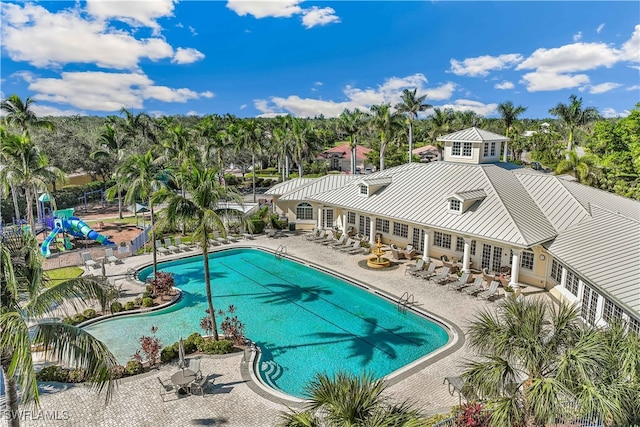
point(441, 123)
point(351, 123)
point(574, 116)
point(509, 114)
point(346, 400)
point(535, 360)
point(386, 124)
point(198, 210)
point(26, 296)
point(411, 105)
point(111, 146)
point(21, 115)
point(142, 176)
point(250, 135)
point(582, 168)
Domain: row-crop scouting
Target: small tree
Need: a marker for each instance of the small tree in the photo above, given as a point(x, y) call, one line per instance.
point(232, 327)
point(206, 325)
point(150, 346)
point(162, 283)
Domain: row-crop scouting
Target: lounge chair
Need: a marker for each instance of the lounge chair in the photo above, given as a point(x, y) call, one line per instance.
point(338, 241)
point(355, 244)
point(348, 242)
point(359, 250)
point(442, 277)
point(321, 236)
point(328, 238)
point(313, 234)
point(169, 245)
point(216, 237)
point(181, 245)
point(418, 266)
point(493, 290)
point(109, 256)
point(461, 282)
point(247, 236)
point(351, 231)
point(88, 260)
point(160, 248)
point(475, 288)
point(167, 389)
point(425, 274)
point(231, 238)
point(458, 286)
point(214, 242)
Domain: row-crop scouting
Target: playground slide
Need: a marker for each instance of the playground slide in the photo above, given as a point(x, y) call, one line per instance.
point(44, 249)
point(76, 227)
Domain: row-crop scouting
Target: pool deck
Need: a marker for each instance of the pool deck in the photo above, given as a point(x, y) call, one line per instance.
point(234, 399)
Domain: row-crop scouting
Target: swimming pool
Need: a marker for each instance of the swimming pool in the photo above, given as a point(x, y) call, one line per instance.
point(304, 320)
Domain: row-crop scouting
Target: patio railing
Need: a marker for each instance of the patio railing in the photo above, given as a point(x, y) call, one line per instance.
point(140, 240)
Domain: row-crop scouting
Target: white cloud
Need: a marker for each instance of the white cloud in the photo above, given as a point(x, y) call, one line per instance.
point(610, 113)
point(469, 105)
point(544, 81)
point(319, 16)
point(207, 94)
point(577, 37)
point(571, 58)
point(263, 9)
point(100, 91)
point(34, 35)
point(635, 87)
point(389, 92)
point(481, 65)
point(504, 85)
point(187, 56)
point(318, 83)
point(631, 49)
point(603, 87)
point(193, 113)
point(243, 106)
point(600, 28)
point(135, 13)
point(47, 110)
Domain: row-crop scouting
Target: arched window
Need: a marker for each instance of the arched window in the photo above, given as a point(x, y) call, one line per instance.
point(304, 211)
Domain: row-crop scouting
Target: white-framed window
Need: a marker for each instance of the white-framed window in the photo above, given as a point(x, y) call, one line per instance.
point(466, 149)
point(304, 211)
point(351, 217)
point(327, 217)
point(459, 244)
point(493, 148)
point(417, 239)
point(526, 260)
point(400, 229)
point(365, 225)
point(589, 305)
point(455, 205)
point(382, 225)
point(572, 283)
point(611, 312)
point(496, 260)
point(485, 150)
point(473, 247)
point(556, 271)
point(442, 240)
point(634, 325)
point(364, 189)
point(456, 148)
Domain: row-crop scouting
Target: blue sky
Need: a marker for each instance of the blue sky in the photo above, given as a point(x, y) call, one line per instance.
point(264, 58)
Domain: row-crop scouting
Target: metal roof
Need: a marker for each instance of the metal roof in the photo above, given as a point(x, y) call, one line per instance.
point(473, 134)
point(287, 186)
point(588, 196)
point(470, 195)
point(376, 179)
point(319, 185)
point(418, 194)
point(604, 250)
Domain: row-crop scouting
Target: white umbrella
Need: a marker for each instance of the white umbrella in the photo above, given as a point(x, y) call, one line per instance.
point(181, 362)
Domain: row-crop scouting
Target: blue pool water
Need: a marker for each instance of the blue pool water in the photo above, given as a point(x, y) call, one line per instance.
point(305, 321)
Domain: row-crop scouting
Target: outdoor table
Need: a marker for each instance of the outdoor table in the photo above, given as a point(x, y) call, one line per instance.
point(183, 377)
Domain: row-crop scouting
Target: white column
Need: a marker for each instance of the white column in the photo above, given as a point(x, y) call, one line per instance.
point(563, 278)
point(320, 217)
point(515, 268)
point(506, 149)
point(466, 257)
point(425, 251)
point(344, 222)
point(372, 230)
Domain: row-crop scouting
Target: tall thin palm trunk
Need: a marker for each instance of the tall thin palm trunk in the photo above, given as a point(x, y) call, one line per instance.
point(120, 204)
point(153, 239)
point(11, 391)
point(253, 177)
point(207, 281)
point(14, 195)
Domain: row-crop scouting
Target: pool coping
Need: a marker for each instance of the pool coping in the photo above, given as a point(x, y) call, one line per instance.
point(455, 333)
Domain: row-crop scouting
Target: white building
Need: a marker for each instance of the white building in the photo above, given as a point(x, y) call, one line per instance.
point(580, 243)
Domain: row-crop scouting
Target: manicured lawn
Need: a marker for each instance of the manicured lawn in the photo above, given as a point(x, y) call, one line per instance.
point(60, 275)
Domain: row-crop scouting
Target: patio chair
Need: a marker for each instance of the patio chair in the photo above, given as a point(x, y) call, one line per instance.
point(109, 256)
point(247, 236)
point(442, 277)
point(312, 234)
point(193, 364)
point(355, 244)
point(493, 290)
point(425, 274)
point(418, 266)
point(488, 277)
point(160, 248)
point(322, 234)
point(214, 242)
point(461, 282)
point(181, 245)
point(475, 288)
point(328, 238)
point(345, 243)
point(359, 250)
point(231, 238)
point(88, 260)
point(460, 286)
point(167, 389)
point(216, 237)
point(396, 251)
point(338, 241)
point(351, 230)
point(169, 245)
point(199, 386)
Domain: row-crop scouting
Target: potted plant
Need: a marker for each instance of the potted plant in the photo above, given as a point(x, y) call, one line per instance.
point(509, 292)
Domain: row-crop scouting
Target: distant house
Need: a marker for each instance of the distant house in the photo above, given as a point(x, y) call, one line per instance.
point(428, 153)
point(339, 158)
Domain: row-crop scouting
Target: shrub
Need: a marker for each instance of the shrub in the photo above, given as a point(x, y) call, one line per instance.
point(67, 320)
point(147, 302)
point(162, 283)
point(191, 343)
point(117, 372)
point(138, 301)
point(150, 346)
point(258, 225)
point(53, 373)
point(76, 375)
point(89, 313)
point(116, 307)
point(133, 367)
point(129, 305)
point(78, 318)
point(216, 347)
point(169, 353)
